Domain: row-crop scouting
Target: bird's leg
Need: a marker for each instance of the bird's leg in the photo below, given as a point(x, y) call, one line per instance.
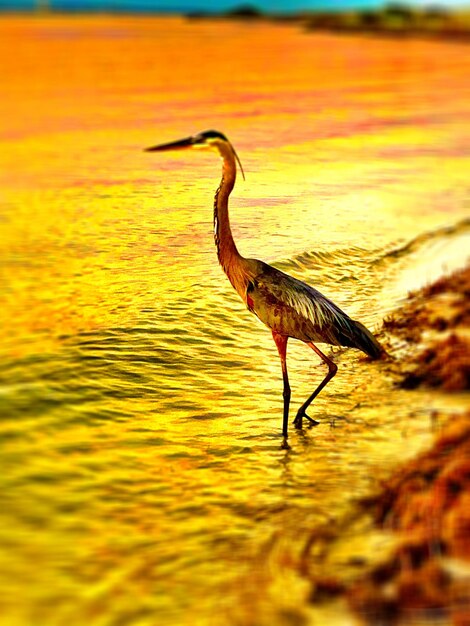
point(281, 343)
point(332, 369)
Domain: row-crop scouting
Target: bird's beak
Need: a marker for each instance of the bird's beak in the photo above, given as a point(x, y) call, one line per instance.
point(173, 145)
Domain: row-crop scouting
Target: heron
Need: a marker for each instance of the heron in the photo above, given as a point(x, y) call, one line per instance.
point(289, 307)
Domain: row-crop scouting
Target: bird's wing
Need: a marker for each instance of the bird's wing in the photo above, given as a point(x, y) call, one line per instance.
point(293, 308)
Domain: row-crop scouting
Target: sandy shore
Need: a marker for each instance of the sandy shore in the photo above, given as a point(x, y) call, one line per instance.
point(421, 516)
point(435, 326)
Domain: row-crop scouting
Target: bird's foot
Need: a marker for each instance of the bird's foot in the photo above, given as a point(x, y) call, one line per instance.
point(299, 417)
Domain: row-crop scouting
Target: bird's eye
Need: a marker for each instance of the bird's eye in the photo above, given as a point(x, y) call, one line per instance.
point(199, 139)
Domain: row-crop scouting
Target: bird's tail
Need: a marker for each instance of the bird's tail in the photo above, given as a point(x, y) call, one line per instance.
point(364, 340)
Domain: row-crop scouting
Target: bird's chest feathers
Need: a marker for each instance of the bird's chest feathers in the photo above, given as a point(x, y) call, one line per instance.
point(238, 280)
point(275, 306)
point(267, 307)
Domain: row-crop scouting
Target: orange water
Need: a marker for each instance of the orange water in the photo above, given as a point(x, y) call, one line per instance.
point(143, 481)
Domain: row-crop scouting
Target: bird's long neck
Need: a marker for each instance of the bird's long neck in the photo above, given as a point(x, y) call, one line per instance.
point(230, 259)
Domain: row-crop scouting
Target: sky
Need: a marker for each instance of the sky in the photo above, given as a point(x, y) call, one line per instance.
point(182, 6)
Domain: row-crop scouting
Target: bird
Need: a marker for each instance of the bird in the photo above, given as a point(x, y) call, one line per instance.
point(289, 307)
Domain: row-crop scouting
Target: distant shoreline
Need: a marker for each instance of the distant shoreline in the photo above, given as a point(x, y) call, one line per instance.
point(457, 36)
point(393, 21)
point(398, 24)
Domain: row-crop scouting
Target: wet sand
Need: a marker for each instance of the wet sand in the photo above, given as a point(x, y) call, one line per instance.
point(426, 505)
point(422, 512)
point(434, 326)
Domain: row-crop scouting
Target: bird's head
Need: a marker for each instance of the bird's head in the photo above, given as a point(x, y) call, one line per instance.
point(207, 140)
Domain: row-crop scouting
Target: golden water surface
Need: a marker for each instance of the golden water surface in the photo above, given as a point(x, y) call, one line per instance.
point(142, 476)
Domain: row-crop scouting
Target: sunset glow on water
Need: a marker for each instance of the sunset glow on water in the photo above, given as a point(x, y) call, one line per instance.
point(143, 480)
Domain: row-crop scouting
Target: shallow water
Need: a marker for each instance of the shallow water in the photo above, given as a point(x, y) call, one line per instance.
point(143, 479)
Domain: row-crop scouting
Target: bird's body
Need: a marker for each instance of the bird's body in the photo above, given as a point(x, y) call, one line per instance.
point(292, 308)
point(288, 306)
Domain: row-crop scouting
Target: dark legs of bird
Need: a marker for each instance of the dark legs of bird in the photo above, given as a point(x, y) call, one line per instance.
point(281, 343)
point(332, 369)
